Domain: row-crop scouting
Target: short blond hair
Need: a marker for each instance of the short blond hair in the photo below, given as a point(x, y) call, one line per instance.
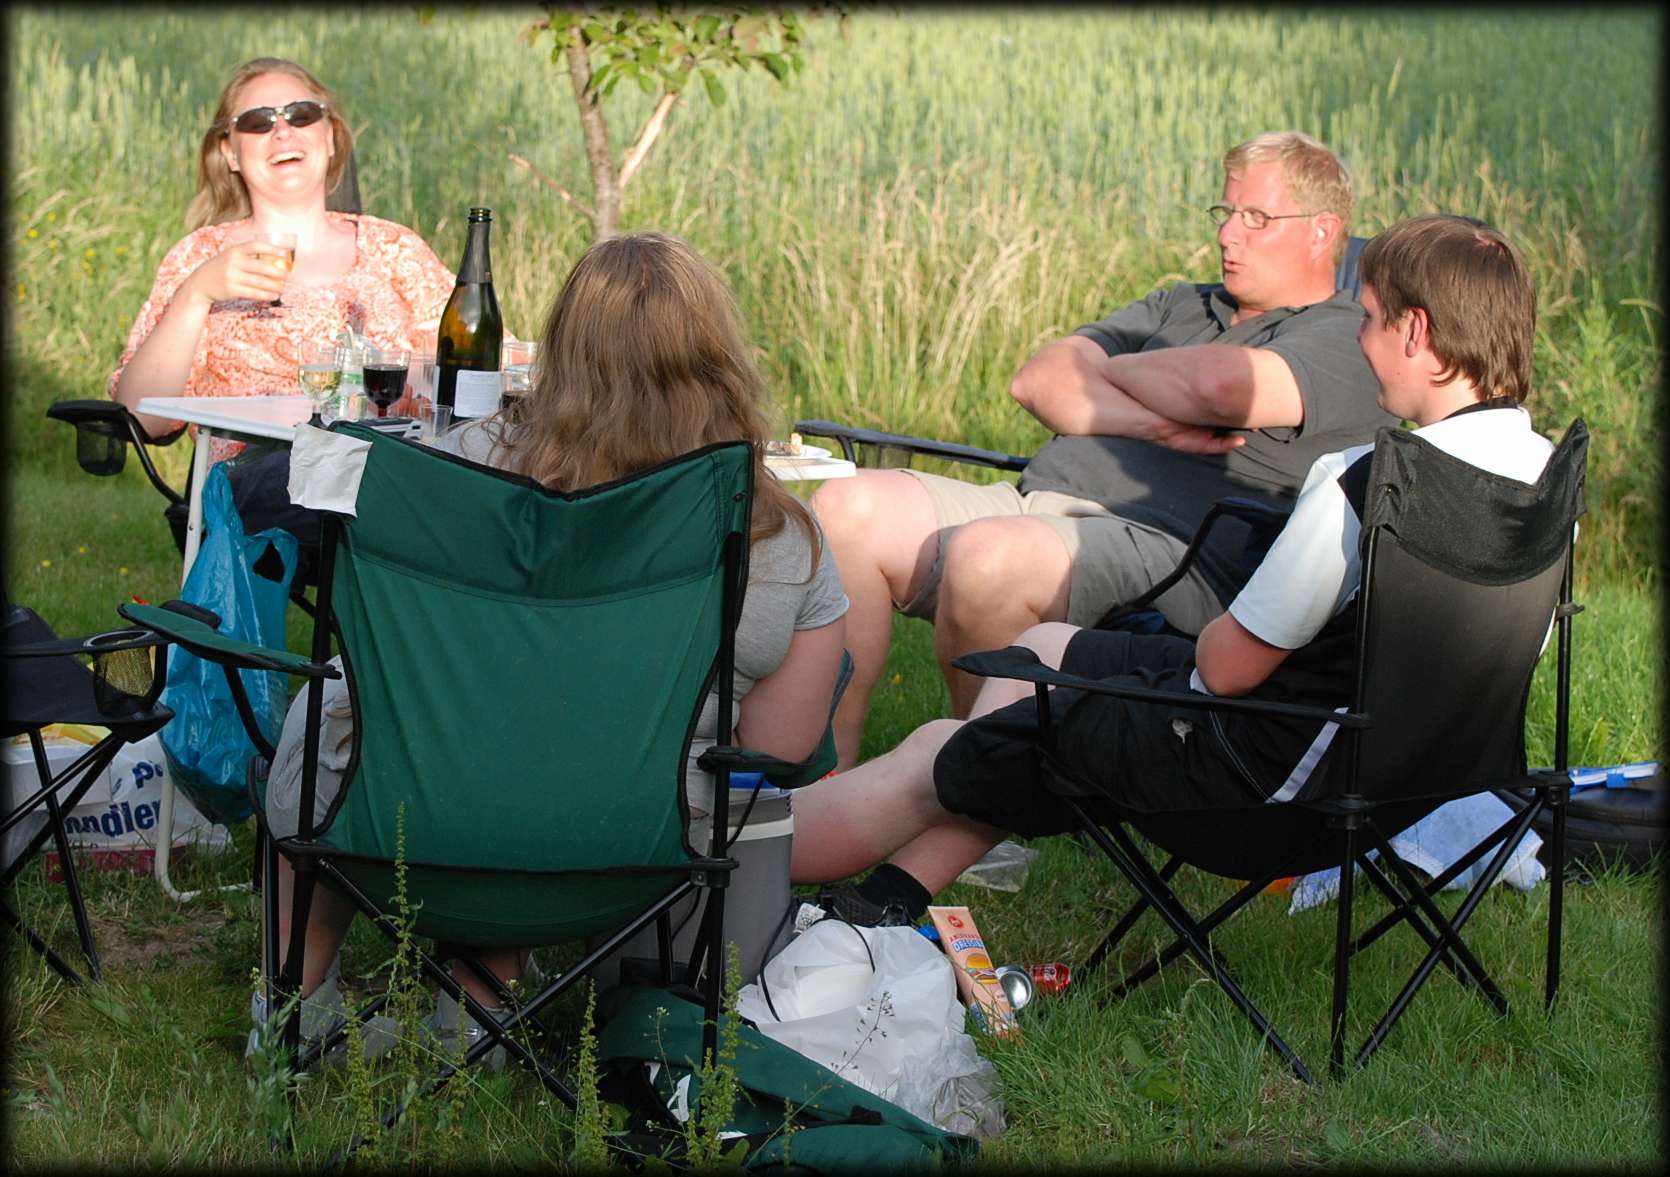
point(1315, 177)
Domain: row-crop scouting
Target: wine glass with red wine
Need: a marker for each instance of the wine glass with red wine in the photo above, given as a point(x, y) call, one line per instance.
point(385, 375)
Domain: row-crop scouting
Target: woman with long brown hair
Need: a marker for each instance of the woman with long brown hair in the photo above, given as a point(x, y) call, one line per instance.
point(641, 361)
point(276, 148)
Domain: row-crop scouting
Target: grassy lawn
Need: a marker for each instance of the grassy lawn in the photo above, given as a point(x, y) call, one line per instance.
point(927, 205)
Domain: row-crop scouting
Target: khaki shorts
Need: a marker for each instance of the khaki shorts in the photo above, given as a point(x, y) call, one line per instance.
point(1114, 560)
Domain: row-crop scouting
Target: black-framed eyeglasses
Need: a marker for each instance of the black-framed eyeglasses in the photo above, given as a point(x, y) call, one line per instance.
point(258, 120)
point(1252, 218)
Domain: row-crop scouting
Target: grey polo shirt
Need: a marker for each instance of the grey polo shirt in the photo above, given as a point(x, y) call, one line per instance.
point(1170, 490)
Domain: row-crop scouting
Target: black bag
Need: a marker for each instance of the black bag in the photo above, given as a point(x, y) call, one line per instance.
point(649, 1045)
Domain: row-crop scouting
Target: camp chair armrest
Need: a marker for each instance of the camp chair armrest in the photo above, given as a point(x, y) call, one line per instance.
point(110, 414)
point(849, 436)
point(786, 774)
point(1016, 662)
point(108, 419)
point(101, 643)
point(190, 631)
point(1259, 514)
point(781, 774)
point(1265, 520)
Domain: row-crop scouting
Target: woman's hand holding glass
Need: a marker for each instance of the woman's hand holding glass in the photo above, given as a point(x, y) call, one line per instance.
point(251, 269)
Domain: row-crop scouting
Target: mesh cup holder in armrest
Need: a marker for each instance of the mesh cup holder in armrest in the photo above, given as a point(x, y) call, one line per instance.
point(123, 679)
point(101, 448)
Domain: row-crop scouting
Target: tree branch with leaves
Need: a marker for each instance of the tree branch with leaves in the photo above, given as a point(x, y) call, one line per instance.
point(661, 52)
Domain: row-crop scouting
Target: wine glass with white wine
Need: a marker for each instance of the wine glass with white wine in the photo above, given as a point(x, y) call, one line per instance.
point(320, 374)
point(281, 248)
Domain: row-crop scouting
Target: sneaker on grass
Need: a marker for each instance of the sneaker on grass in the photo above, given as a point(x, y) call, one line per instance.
point(845, 903)
point(442, 1025)
point(323, 1013)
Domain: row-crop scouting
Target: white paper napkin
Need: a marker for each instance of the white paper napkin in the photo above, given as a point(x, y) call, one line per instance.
point(325, 469)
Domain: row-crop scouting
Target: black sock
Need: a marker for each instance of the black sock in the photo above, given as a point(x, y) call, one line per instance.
point(888, 882)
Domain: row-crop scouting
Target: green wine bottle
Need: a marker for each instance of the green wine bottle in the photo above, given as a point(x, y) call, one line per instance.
point(467, 346)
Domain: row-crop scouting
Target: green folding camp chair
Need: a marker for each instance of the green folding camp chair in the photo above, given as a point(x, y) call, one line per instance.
point(526, 667)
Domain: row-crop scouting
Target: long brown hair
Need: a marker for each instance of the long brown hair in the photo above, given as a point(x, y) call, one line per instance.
point(641, 360)
point(221, 195)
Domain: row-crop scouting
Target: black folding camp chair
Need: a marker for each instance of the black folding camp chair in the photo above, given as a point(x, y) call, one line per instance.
point(45, 683)
point(1462, 573)
point(526, 668)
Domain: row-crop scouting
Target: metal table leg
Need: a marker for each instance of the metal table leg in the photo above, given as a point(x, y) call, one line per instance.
point(194, 538)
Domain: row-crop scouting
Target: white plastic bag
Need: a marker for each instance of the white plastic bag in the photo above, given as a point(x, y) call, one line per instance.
point(895, 1028)
point(117, 817)
point(1003, 868)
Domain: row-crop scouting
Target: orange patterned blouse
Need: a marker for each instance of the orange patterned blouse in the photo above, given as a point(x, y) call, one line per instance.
point(394, 295)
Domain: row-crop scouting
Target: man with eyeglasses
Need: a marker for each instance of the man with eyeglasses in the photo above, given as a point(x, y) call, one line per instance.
point(1196, 392)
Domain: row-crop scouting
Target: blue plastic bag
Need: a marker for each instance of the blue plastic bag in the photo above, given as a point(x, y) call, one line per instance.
point(245, 580)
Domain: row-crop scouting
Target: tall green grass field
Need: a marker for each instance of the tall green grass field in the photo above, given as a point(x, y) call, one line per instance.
point(936, 195)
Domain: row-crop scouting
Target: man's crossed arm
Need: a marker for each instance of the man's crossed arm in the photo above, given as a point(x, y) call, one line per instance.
point(1179, 397)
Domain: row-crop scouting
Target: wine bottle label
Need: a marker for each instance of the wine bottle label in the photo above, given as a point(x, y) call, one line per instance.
point(476, 394)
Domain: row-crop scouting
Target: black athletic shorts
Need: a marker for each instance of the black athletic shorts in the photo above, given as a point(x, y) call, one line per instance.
point(1143, 755)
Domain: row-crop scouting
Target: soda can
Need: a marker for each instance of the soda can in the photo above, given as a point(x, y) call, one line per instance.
point(1050, 978)
point(1017, 985)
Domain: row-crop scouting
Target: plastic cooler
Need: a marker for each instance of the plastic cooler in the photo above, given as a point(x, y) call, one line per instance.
point(756, 900)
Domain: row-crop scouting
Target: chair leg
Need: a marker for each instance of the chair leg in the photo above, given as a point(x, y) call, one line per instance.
point(1128, 920)
point(72, 878)
point(57, 962)
point(1146, 880)
point(1556, 797)
point(72, 887)
point(715, 970)
point(1404, 911)
point(1438, 883)
point(1342, 950)
point(1203, 928)
point(290, 973)
point(498, 1032)
point(1449, 933)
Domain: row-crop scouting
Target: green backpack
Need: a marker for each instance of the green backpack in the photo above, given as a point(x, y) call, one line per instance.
point(837, 1125)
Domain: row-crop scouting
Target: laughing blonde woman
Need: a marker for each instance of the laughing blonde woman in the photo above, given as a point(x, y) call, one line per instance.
point(277, 147)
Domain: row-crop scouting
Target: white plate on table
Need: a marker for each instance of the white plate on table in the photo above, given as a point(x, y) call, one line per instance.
point(808, 453)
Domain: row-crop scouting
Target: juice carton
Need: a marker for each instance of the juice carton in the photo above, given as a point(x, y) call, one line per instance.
point(977, 981)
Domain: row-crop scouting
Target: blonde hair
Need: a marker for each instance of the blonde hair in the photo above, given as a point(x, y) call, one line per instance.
point(221, 195)
point(641, 360)
point(1315, 177)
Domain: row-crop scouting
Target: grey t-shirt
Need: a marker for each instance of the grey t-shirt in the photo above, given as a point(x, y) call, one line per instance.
point(785, 593)
point(1170, 490)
